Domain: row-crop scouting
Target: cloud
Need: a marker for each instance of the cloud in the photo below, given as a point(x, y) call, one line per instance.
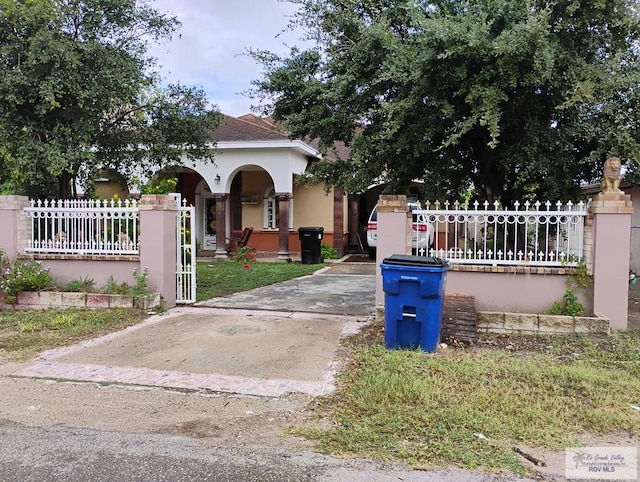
point(210, 51)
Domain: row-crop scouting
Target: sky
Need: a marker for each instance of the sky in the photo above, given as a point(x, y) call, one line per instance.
point(215, 34)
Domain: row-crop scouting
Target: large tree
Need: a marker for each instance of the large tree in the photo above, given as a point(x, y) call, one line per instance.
point(514, 98)
point(78, 94)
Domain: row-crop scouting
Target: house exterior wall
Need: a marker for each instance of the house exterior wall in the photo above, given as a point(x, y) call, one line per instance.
point(107, 189)
point(253, 214)
point(280, 162)
point(312, 207)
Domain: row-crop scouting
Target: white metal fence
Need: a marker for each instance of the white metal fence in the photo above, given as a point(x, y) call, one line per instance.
point(83, 227)
point(186, 252)
point(539, 234)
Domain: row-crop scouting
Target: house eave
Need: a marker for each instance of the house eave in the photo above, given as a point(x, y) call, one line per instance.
point(275, 144)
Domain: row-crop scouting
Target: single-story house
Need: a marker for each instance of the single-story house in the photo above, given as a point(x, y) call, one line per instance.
point(253, 183)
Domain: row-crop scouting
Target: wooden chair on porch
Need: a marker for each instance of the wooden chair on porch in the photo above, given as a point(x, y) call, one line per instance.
point(237, 241)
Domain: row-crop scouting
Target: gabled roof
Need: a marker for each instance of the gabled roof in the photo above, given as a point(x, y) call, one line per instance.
point(250, 127)
point(240, 129)
point(337, 151)
point(266, 122)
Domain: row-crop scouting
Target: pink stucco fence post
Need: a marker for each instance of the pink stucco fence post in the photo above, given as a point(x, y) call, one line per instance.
point(394, 219)
point(15, 226)
point(158, 244)
point(610, 222)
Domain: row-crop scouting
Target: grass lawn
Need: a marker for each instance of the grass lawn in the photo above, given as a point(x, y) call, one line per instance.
point(220, 279)
point(426, 409)
point(25, 333)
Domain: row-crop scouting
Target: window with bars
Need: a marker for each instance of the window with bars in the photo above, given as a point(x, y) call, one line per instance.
point(272, 210)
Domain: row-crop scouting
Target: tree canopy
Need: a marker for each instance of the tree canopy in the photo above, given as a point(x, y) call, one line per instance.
point(78, 94)
point(513, 98)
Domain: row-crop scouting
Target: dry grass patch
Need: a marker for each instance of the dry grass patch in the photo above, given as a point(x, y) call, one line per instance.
point(25, 333)
point(429, 409)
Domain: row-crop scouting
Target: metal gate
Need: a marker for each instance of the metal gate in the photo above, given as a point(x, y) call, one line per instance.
point(186, 252)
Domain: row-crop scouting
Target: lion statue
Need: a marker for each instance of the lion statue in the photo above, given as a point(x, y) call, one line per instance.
point(611, 179)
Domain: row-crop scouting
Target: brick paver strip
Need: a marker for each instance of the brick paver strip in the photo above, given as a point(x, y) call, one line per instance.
point(178, 380)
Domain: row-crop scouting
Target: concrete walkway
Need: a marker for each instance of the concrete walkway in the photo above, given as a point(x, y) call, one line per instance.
point(350, 294)
point(270, 341)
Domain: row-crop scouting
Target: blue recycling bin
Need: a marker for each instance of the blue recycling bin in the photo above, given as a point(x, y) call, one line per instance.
point(413, 297)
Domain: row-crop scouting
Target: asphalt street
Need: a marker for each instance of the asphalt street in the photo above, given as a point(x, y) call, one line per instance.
point(79, 455)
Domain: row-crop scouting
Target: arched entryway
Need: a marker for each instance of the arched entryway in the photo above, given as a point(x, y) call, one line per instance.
point(251, 200)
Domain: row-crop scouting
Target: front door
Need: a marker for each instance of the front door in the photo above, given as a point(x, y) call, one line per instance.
point(209, 219)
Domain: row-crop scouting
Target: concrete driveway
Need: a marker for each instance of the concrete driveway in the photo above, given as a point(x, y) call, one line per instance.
point(270, 341)
point(341, 289)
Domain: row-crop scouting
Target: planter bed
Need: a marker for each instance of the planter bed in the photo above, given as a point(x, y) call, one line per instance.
point(63, 299)
point(523, 323)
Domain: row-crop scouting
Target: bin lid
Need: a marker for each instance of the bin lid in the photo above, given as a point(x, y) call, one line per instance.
point(411, 260)
point(314, 229)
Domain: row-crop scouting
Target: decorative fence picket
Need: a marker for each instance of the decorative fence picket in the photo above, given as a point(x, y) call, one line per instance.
point(540, 234)
point(104, 227)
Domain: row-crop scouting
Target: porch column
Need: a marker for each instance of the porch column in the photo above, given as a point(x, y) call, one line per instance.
point(611, 242)
point(221, 227)
point(282, 198)
point(338, 220)
point(354, 223)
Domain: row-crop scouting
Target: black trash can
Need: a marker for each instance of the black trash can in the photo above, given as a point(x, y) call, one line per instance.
point(310, 238)
point(413, 297)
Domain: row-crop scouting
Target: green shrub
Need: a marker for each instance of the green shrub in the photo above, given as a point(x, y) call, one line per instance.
point(157, 185)
point(25, 275)
point(569, 306)
point(246, 253)
point(140, 287)
point(327, 252)
point(114, 288)
point(83, 285)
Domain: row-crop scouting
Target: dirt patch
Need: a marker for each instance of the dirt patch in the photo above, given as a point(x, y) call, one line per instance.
point(351, 268)
point(552, 463)
point(359, 258)
point(563, 346)
point(213, 419)
point(634, 306)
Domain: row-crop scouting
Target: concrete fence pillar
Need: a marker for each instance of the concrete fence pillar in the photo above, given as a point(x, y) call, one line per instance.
point(610, 220)
point(16, 229)
point(393, 234)
point(158, 244)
